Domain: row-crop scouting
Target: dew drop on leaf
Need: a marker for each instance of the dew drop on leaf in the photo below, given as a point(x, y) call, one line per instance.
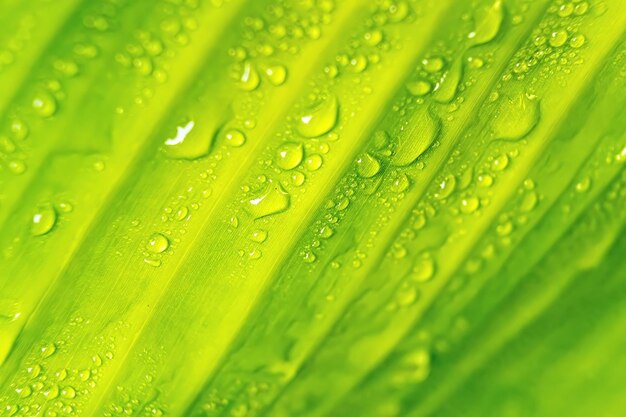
point(276, 74)
point(43, 220)
point(44, 104)
point(367, 166)
point(418, 136)
point(319, 119)
point(289, 155)
point(157, 243)
point(515, 117)
point(273, 200)
point(488, 21)
point(446, 187)
point(234, 138)
point(190, 141)
point(249, 79)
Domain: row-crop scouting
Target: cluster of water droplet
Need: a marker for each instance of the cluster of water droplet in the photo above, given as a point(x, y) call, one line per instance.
point(16, 42)
point(555, 41)
point(43, 386)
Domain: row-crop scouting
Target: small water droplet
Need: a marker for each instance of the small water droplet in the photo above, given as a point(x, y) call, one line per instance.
point(500, 163)
point(44, 220)
point(44, 104)
point(445, 90)
point(432, 64)
point(469, 205)
point(319, 119)
point(234, 138)
point(446, 187)
point(314, 162)
point(249, 79)
point(258, 235)
point(276, 74)
point(418, 88)
point(400, 184)
point(273, 200)
point(157, 243)
point(289, 155)
point(424, 269)
point(48, 350)
point(367, 166)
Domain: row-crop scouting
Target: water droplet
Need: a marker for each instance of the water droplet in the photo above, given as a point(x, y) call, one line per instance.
point(485, 180)
point(44, 104)
point(515, 117)
point(577, 41)
point(500, 163)
point(43, 220)
point(273, 200)
point(289, 155)
point(234, 138)
point(558, 38)
point(418, 88)
point(314, 162)
point(258, 236)
point(433, 64)
point(249, 79)
point(414, 367)
point(9, 310)
point(373, 38)
point(51, 392)
point(68, 392)
point(17, 167)
point(320, 119)
point(424, 269)
point(326, 232)
point(297, 179)
point(367, 166)
point(488, 21)
point(446, 187)
point(416, 138)
point(400, 184)
point(445, 90)
point(189, 142)
point(469, 205)
point(48, 350)
point(157, 243)
point(583, 185)
point(398, 11)
point(276, 74)
point(529, 201)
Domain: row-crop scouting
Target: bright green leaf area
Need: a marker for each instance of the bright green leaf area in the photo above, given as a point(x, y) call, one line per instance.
point(325, 208)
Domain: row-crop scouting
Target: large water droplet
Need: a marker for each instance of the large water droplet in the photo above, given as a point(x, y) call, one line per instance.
point(416, 138)
point(43, 220)
point(289, 155)
point(190, 142)
point(488, 21)
point(273, 200)
point(515, 117)
point(319, 119)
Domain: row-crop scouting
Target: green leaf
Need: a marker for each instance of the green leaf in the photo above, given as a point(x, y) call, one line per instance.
point(312, 207)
